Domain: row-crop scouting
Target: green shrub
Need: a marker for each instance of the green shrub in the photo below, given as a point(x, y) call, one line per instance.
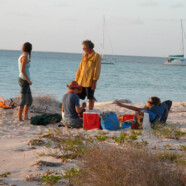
point(4, 175)
point(101, 137)
point(50, 178)
point(124, 137)
point(168, 131)
point(70, 173)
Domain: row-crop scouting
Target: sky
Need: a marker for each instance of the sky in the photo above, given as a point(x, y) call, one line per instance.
point(132, 27)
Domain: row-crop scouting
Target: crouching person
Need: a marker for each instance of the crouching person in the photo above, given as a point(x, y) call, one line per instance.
point(71, 106)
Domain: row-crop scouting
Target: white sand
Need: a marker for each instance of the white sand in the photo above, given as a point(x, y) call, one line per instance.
point(17, 157)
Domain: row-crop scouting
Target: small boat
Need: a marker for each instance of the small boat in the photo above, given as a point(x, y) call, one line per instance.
point(177, 59)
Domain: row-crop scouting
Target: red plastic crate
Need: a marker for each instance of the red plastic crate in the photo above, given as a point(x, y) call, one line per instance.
point(91, 120)
point(128, 117)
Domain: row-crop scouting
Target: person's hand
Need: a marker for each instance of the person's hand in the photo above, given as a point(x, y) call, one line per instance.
point(84, 104)
point(29, 82)
point(93, 87)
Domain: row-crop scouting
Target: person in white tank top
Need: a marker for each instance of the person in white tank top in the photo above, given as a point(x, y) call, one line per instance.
point(25, 81)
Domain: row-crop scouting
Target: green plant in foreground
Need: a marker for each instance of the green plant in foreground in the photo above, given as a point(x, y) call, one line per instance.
point(181, 161)
point(48, 143)
point(141, 144)
point(101, 137)
point(124, 137)
point(136, 132)
point(183, 104)
point(168, 131)
point(4, 175)
point(50, 178)
point(70, 173)
point(41, 154)
point(183, 147)
point(36, 142)
point(67, 146)
point(173, 157)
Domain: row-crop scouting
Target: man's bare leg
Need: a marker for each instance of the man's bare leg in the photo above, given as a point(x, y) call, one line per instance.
point(91, 104)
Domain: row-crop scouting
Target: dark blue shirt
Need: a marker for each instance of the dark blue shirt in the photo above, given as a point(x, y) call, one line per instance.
point(158, 110)
point(70, 100)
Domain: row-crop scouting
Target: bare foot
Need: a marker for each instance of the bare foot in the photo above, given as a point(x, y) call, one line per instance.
point(20, 120)
point(26, 119)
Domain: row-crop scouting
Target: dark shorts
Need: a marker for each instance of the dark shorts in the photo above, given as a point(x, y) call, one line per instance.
point(86, 92)
point(26, 96)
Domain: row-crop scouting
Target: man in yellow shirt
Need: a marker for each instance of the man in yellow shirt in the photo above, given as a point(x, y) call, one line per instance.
point(88, 72)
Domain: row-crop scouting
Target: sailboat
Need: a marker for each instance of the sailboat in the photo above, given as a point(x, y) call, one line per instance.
point(177, 59)
point(104, 60)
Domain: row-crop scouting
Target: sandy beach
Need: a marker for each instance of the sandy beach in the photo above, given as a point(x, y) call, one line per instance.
point(20, 159)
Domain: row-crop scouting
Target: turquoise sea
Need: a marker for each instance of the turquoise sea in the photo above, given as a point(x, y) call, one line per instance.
point(130, 77)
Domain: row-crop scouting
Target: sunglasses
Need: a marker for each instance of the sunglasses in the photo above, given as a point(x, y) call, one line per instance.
point(150, 102)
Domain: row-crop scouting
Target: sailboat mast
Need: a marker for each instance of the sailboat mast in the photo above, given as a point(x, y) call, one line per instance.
point(102, 52)
point(182, 37)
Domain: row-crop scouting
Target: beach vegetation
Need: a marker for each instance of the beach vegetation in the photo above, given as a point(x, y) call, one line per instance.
point(70, 173)
point(141, 144)
point(36, 142)
point(172, 156)
point(168, 147)
point(67, 146)
point(41, 154)
point(5, 174)
point(170, 131)
point(48, 143)
point(183, 147)
point(183, 104)
point(101, 137)
point(122, 138)
point(47, 163)
point(125, 137)
point(31, 178)
point(50, 177)
point(108, 165)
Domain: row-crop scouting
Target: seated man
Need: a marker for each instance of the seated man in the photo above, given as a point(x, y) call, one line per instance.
point(71, 106)
point(154, 107)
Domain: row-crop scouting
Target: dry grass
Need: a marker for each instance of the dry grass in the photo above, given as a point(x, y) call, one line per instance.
point(109, 166)
point(45, 104)
point(44, 99)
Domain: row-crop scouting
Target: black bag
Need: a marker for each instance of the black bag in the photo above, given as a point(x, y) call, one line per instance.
point(45, 119)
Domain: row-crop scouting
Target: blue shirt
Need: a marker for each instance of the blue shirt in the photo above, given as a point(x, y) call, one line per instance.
point(26, 68)
point(155, 112)
point(70, 101)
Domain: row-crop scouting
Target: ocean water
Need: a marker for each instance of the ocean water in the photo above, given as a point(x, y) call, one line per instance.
point(130, 77)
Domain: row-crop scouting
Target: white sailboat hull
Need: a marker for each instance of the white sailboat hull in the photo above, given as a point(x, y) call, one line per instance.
point(179, 62)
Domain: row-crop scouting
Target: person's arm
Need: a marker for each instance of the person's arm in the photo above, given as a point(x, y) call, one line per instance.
point(78, 71)
point(24, 62)
point(97, 71)
point(80, 109)
point(129, 106)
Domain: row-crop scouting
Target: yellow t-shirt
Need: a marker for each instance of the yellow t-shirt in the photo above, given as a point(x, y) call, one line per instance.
point(89, 70)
